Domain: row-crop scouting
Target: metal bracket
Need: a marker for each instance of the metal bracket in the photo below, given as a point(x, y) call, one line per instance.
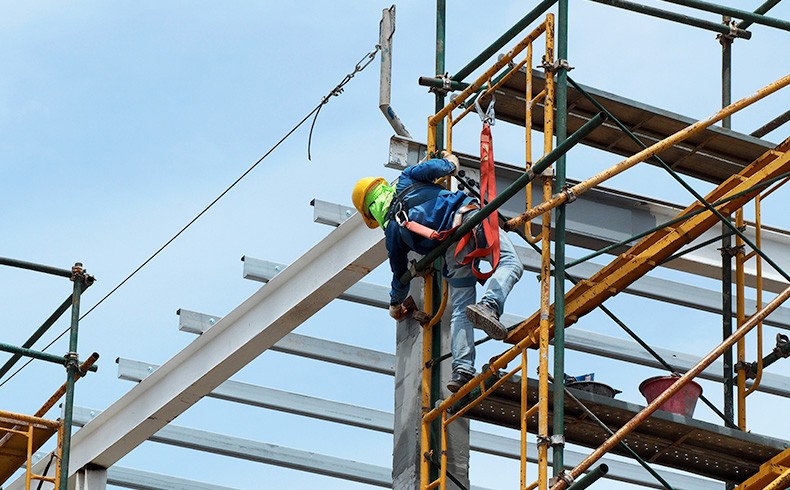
point(71, 360)
point(749, 369)
point(731, 36)
point(558, 64)
point(446, 84)
point(423, 273)
point(570, 196)
point(556, 440)
point(731, 251)
point(564, 476)
point(782, 349)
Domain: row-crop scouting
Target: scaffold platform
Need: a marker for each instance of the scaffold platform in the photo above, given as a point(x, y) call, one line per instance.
point(665, 438)
point(712, 155)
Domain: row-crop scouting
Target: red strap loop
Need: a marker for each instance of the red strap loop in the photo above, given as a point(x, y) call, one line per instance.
point(490, 225)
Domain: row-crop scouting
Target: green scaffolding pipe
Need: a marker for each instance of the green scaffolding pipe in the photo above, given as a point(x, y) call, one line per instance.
point(673, 221)
point(590, 478)
point(436, 340)
point(72, 372)
point(560, 217)
point(509, 192)
point(36, 335)
point(504, 39)
point(21, 264)
point(724, 236)
point(41, 356)
point(764, 8)
point(675, 17)
point(685, 185)
point(733, 12)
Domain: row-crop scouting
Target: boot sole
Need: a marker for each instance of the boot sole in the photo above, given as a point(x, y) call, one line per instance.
point(491, 327)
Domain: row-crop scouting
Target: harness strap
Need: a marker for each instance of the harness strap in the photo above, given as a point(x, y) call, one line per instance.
point(488, 244)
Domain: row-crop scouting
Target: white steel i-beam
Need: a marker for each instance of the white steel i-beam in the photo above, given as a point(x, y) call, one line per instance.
point(575, 338)
point(211, 442)
point(260, 396)
point(337, 262)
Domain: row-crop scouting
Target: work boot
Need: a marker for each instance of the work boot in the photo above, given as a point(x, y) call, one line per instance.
point(458, 379)
point(487, 319)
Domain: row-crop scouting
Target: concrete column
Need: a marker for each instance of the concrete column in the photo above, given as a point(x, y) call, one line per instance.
point(408, 410)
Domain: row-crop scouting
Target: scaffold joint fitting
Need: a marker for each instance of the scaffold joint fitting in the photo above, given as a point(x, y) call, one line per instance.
point(782, 349)
point(570, 195)
point(559, 64)
point(564, 476)
point(731, 251)
point(72, 360)
point(749, 369)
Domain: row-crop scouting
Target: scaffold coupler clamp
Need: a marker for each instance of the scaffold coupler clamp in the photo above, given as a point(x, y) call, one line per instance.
point(730, 36)
point(556, 440)
point(569, 193)
point(558, 64)
point(446, 87)
point(749, 369)
point(564, 476)
point(782, 349)
point(72, 360)
point(427, 271)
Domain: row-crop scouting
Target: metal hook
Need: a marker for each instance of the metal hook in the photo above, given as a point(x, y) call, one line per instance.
point(489, 115)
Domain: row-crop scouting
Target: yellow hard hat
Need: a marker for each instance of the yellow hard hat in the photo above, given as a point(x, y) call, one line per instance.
point(358, 198)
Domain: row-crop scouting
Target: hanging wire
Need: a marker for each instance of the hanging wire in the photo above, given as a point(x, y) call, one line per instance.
point(361, 65)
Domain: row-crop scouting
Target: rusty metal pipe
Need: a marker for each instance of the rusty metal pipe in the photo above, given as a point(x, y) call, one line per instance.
point(674, 388)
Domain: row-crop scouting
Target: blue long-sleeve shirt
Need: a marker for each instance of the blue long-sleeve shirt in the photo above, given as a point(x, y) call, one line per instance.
point(436, 209)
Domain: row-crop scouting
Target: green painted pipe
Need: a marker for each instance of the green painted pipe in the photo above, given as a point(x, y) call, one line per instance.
point(560, 217)
point(590, 477)
point(733, 12)
point(35, 267)
point(42, 356)
point(675, 17)
point(504, 39)
point(768, 5)
point(509, 192)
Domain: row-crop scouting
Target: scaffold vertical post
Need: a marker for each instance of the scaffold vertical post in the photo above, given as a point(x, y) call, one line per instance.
point(559, 238)
point(72, 367)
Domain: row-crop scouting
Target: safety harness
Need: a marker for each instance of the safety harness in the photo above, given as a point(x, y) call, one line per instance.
point(485, 236)
point(486, 245)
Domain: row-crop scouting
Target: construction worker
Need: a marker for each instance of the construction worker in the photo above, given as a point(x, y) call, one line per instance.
point(416, 199)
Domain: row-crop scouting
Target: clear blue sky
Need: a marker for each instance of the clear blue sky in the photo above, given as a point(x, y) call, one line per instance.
point(120, 121)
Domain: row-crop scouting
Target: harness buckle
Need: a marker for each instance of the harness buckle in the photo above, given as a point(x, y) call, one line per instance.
point(401, 217)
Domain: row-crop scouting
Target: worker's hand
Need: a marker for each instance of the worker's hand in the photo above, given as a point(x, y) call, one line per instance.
point(398, 312)
point(452, 159)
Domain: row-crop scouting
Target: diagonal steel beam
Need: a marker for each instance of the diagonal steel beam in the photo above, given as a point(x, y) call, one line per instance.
point(337, 262)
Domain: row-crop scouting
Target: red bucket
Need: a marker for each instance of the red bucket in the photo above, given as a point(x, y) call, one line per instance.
point(681, 403)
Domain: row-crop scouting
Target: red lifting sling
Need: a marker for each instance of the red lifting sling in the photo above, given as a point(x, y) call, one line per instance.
point(488, 244)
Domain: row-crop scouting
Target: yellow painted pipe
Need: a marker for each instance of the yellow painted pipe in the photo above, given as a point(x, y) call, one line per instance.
point(524, 418)
point(507, 58)
point(647, 153)
point(425, 394)
point(740, 317)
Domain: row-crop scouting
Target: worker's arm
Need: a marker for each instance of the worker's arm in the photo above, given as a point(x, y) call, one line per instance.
point(399, 263)
point(433, 169)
